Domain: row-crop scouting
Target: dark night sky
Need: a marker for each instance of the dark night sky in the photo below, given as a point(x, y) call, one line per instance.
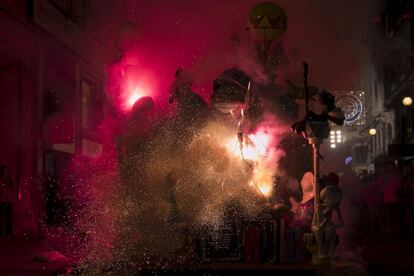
point(196, 34)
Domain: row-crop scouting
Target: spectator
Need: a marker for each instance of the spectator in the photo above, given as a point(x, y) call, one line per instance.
point(361, 201)
point(391, 187)
point(303, 211)
point(408, 196)
point(6, 199)
point(373, 201)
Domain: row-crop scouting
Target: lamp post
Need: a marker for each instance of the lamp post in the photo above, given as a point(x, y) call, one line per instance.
point(372, 132)
point(407, 102)
point(406, 119)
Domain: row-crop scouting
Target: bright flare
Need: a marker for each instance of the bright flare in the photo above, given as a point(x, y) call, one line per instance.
point(135, 95)
point(266, 190)
point(255, 146)
point(260, 141)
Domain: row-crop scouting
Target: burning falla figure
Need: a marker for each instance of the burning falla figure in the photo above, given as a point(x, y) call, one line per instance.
point(192, 110)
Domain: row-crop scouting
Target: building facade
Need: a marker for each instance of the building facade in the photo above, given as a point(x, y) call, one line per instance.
point(389, 77)
point(52, 101)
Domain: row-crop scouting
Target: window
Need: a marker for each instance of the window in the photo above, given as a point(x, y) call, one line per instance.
point(77, 11)
point(361, 154)
point(92, 106)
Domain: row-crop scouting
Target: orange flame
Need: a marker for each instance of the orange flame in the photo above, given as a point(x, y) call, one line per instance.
point(255, 149)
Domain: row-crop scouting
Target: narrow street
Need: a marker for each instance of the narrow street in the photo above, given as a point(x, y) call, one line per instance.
point(192, 137)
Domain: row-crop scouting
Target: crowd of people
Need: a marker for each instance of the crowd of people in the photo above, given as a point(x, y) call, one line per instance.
point(385, 200)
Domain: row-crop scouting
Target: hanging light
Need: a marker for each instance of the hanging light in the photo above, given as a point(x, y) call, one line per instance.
point(336, 138)
point(407, 101)
point(372, 131)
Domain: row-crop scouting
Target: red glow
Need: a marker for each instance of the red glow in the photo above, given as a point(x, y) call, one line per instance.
point(128, 83)
point(136, 86)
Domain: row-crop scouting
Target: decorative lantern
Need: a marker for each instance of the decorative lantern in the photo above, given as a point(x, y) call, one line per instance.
point(267, 22)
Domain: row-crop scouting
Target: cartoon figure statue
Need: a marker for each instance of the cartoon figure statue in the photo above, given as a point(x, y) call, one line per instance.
point(324, 110)
point(190, 104)
point(266, 26)
point(192, 110)
point(302, 219)
point(325, 232)
point(303, 211)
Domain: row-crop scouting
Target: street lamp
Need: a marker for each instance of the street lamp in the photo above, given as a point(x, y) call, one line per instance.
point(407, 101)
point(372, 131)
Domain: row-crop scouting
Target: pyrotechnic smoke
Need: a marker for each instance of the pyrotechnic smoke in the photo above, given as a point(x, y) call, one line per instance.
point(209, 174)
point(125, 212)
